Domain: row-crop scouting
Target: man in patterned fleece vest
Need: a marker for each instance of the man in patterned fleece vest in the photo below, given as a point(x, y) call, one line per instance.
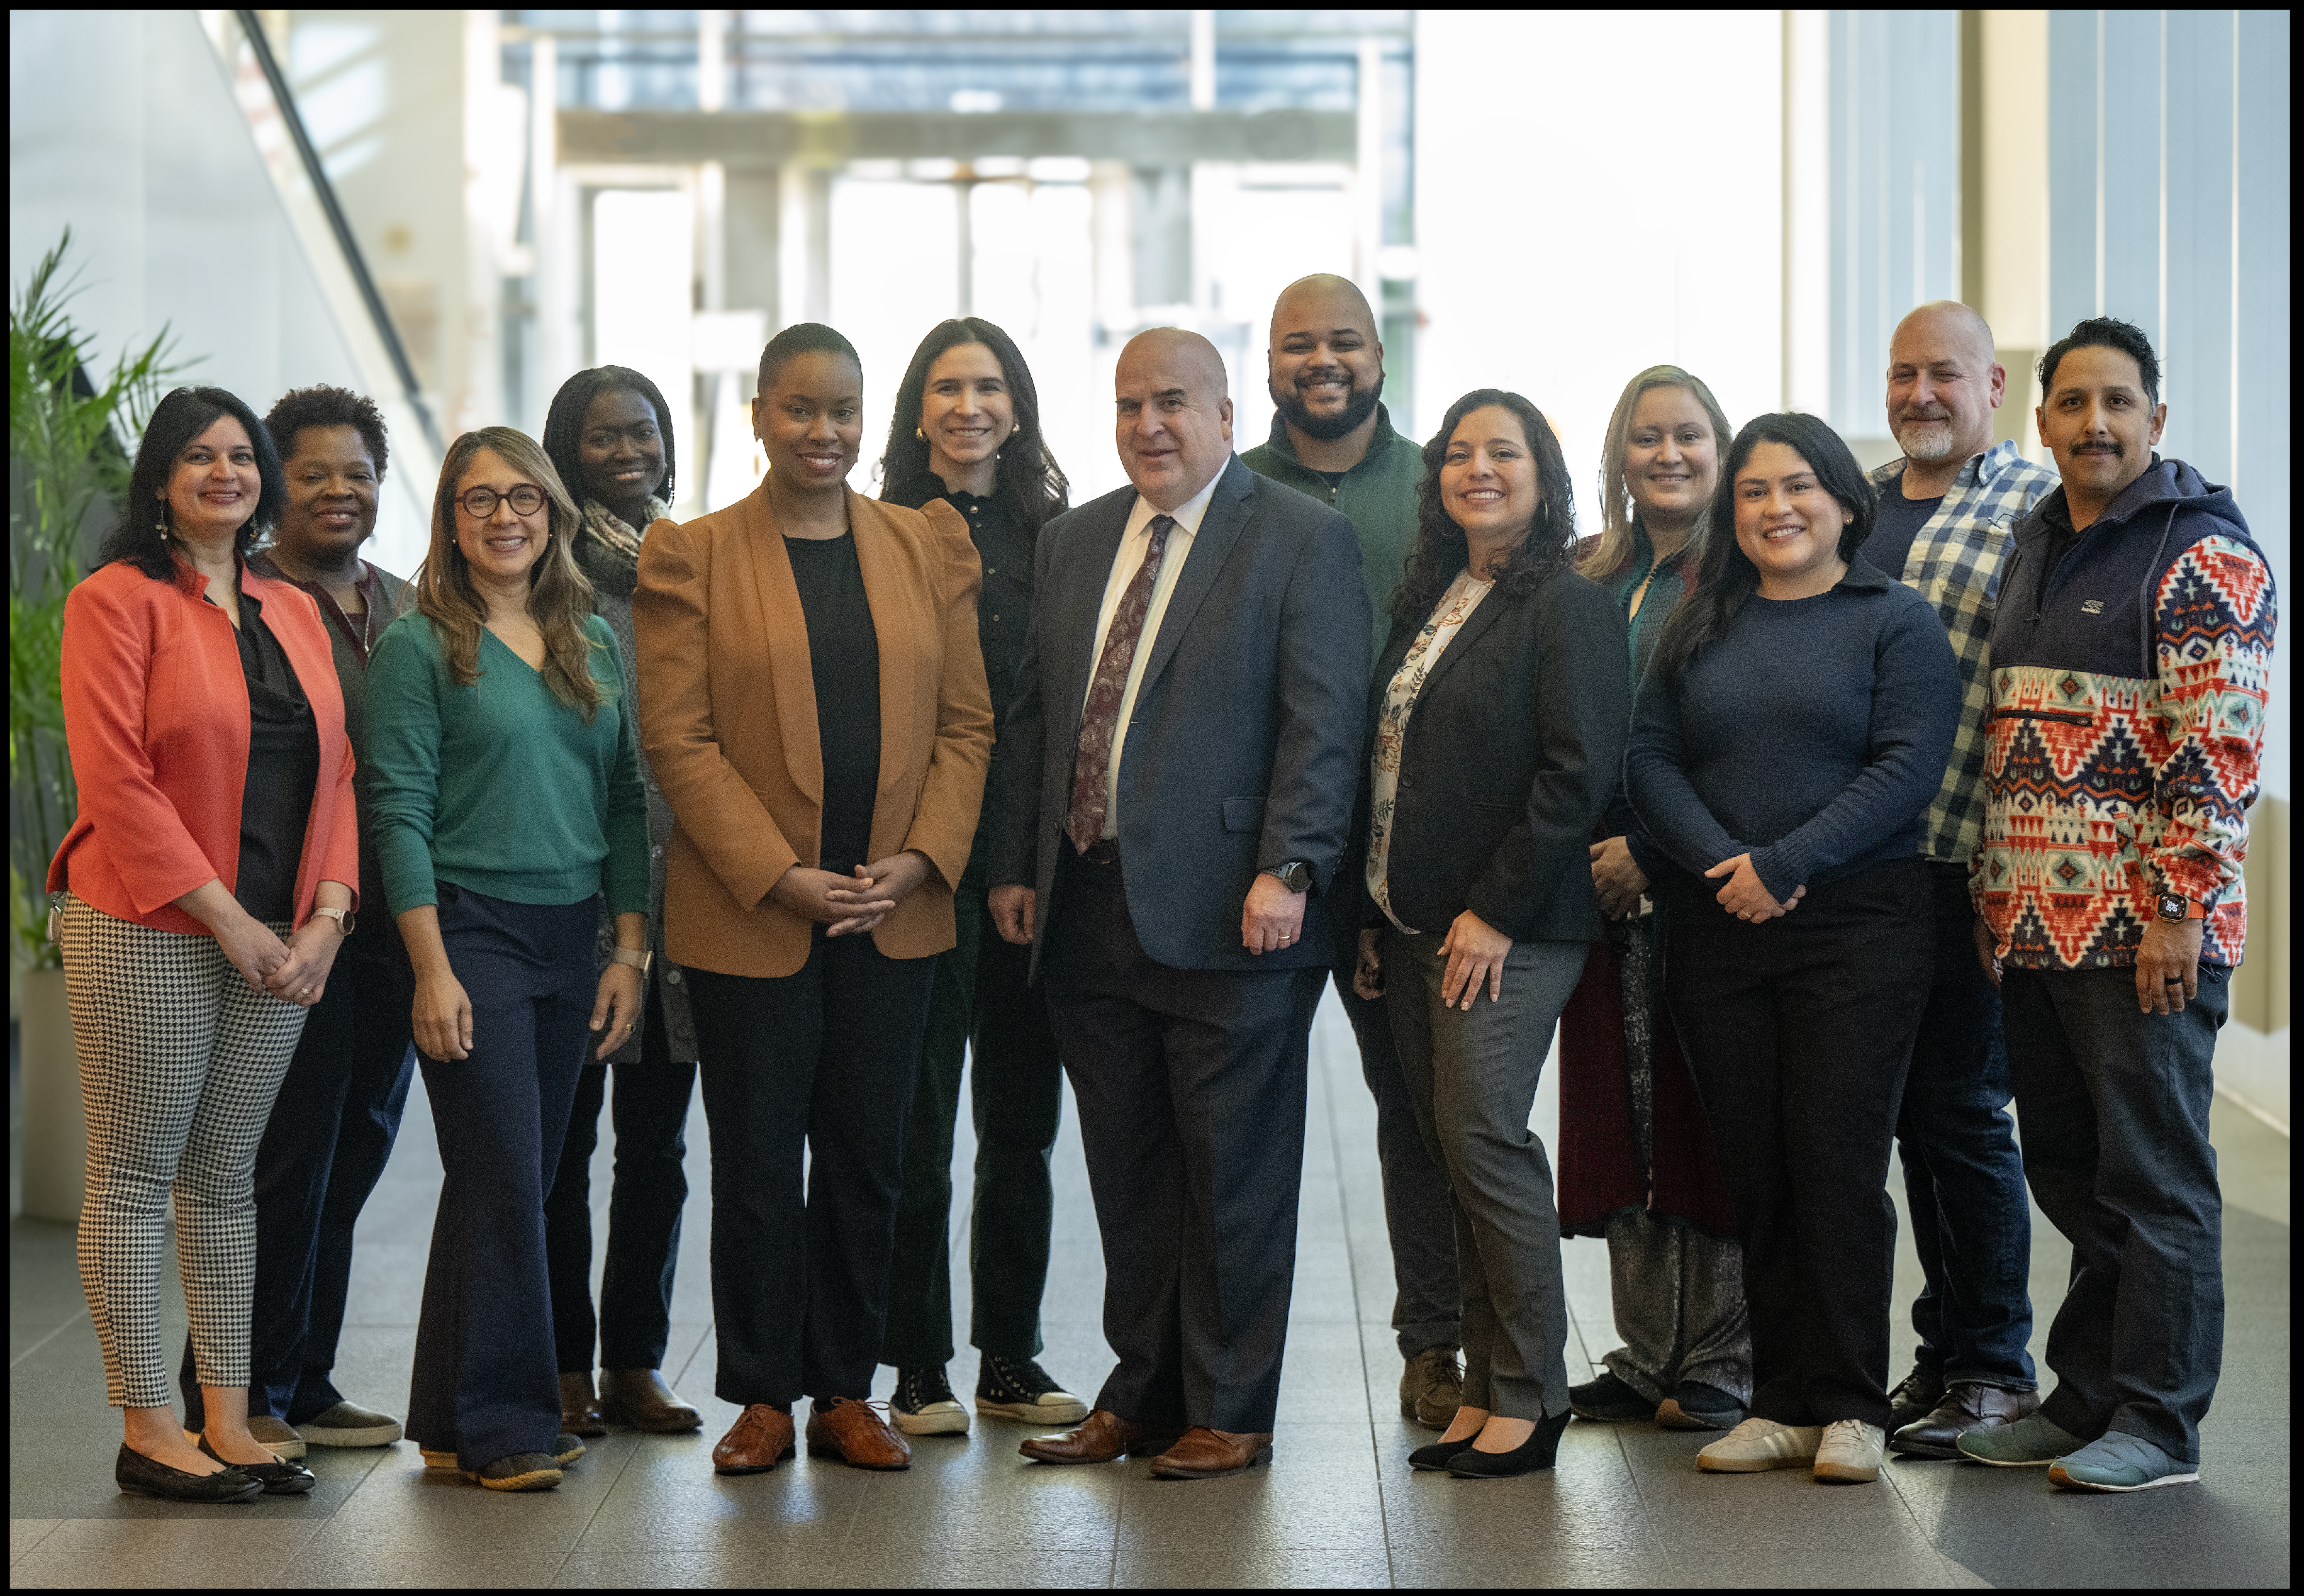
point(2130, 654)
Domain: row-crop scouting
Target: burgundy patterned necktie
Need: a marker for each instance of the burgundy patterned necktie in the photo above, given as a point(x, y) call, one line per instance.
point(1100, 719)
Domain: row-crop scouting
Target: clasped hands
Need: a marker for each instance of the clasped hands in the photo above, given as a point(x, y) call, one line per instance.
point(1270, 918)
point(1745, 897)
point(295, 971)
point(845, 905)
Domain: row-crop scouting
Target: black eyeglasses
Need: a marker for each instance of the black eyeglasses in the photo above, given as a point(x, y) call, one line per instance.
point(481, 503)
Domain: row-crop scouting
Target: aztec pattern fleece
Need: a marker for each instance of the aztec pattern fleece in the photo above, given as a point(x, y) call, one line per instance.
point(2129, 689)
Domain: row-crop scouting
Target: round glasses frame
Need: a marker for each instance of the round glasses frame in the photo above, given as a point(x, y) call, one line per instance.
point(481, 503)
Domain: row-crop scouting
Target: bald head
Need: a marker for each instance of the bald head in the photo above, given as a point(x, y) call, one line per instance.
point(1325, 369)
point(1321, 300)
point(1172, 414)
point(1943, 386)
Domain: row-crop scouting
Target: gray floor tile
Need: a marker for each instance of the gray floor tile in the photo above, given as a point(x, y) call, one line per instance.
point(421, 1567)
point(1247, 1564)
point(25, 1534)
point(941, 1566)
point(752, 1565)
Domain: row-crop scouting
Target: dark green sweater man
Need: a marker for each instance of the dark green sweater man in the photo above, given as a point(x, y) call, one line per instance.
point(1332, 439)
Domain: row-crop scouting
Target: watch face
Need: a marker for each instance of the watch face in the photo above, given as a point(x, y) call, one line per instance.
point(2173, 908)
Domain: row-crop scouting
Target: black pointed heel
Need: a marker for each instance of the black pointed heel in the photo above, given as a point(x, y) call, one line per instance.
point(1532, 1454)
point(278, 1477)
point(1435, 1456)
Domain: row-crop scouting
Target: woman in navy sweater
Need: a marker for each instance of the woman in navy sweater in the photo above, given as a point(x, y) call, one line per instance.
point(1787, 739)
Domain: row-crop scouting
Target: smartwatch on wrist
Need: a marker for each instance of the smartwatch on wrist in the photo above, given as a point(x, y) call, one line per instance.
point(2175, 906)
point(1294, 874)
point(342, 916)
point(637, 958)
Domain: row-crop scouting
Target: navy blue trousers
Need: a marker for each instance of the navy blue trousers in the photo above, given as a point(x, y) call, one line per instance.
point(1963, 1176)
point(486, 1384)
point(323, 1149)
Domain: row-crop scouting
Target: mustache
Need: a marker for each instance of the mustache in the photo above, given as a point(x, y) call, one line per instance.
point(2101, 446)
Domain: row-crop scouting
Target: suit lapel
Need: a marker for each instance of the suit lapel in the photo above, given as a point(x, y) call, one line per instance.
point(1220, 528)
point(1468, 634)
point(760, 548)
point(1068, 638)
point(898, 629)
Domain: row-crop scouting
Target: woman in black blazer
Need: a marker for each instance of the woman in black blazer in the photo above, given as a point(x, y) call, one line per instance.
point(1499, 721)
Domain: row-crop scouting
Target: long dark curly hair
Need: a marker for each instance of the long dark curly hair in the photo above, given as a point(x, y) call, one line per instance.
point(1441, 549)
point(1724, 575)
point(1027, 481)
point(141, 538)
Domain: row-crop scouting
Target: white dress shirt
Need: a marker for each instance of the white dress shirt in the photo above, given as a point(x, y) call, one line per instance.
point(1134, 544)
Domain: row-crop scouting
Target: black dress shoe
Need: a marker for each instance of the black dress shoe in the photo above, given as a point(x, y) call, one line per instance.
point(1537, 1452)
point(1968, 1406)
point(1434, 1457)
point(1608, 1400)
point(1913, 1399)
point(139, 1475)
point(280, 1477)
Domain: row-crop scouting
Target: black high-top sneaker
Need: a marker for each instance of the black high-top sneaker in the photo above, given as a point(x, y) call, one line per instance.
point(923, 1404)
point(1017, 1387)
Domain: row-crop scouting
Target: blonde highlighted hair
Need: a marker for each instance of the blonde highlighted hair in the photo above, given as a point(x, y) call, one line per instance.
point(1615, 548)
point(559, 597)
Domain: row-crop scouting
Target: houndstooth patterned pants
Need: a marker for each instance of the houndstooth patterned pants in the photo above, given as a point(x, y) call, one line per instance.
point(179, 1062)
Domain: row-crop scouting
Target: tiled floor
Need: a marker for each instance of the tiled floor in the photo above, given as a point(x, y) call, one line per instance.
point(1338, 1508)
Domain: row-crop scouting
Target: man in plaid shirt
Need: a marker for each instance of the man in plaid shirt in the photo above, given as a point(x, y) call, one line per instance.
point(1945, 513)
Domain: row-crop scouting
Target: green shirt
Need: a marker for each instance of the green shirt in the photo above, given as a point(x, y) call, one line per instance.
point(499, 787)
point(1378, 496)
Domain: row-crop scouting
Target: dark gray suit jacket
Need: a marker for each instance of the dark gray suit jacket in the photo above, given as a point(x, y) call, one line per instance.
point(1245, 748)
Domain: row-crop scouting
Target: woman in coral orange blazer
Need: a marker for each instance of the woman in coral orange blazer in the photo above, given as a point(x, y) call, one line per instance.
point(812, 702)
point(201, 897)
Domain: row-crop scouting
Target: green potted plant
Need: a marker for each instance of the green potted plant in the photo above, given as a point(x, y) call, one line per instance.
point(68, 448)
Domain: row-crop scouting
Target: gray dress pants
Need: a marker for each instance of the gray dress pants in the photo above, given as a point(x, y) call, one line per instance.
point(1471, 1074)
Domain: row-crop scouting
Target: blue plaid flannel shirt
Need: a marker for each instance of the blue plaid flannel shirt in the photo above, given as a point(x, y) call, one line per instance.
point(1955, 565)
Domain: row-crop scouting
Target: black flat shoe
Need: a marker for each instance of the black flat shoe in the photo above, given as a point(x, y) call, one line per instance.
point(1434, 1457)
point(139, 1475)
point(280, 1477)
point(1535, 1453)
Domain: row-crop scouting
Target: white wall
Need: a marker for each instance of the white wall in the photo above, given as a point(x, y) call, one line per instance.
point(1597, 192)
point(121, 125)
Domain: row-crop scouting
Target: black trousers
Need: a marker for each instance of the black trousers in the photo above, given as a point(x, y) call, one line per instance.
point(821, 1060)
point(324, 1150)
point(1191, 1085)
point(1799, 1031)
point(2115, 1110)
point(634, 1324)
point(984, 1014)
point(486, 1384)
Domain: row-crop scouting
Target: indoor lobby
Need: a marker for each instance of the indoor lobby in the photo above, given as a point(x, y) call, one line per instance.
point(455, 211)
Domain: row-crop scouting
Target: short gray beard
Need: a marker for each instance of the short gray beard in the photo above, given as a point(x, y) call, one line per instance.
point(1927, 450)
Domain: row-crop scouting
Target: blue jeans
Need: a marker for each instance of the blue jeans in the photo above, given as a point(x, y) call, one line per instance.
point(1963, 1176)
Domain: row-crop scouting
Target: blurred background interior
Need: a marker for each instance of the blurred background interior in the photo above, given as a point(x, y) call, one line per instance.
point(454, 210)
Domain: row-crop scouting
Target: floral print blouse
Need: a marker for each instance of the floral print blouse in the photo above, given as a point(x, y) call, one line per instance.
point(1448, 616)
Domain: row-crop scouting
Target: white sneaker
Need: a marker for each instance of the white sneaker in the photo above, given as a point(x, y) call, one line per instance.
point(1850, 1452)
point(1758, 1445)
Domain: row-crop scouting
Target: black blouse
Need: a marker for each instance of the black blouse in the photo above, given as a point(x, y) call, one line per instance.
point(844, 657)
point(283, 770)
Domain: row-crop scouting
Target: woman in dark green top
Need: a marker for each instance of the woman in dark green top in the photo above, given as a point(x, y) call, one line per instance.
point(1636, 1158)
point(967, 430)
point(507, 797)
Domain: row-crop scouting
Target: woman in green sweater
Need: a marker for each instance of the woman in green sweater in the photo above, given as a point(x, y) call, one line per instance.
point(508, 804)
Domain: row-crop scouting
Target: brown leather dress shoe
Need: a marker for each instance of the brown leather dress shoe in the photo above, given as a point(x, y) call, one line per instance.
point(854, 1432)
point(760, 1439)
point(1105, 1438)
point(639, 1398)
point(1206, 1454)
point(1968, 1406)
point(580, 1414)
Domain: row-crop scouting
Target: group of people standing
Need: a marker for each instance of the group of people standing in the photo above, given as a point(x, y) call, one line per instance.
point(1780, 800)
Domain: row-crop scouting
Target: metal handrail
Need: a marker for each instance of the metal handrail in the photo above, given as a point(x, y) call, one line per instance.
point(252, 27)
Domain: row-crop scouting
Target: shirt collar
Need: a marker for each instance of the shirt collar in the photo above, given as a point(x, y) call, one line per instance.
point(1187, 515)
point(1380, 440)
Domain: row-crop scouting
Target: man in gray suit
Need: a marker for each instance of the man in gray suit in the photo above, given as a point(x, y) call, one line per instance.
point(1183, 753)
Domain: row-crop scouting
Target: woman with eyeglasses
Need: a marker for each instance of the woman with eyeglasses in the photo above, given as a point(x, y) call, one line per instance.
point(508, 804)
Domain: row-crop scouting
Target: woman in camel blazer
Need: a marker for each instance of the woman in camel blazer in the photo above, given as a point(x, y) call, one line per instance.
point(813, 703)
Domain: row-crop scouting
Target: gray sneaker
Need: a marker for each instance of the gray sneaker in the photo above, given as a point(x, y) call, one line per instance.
point(275, 1436)
point(2118, 1462)
point(2034, 1441)
point(349, 1424)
